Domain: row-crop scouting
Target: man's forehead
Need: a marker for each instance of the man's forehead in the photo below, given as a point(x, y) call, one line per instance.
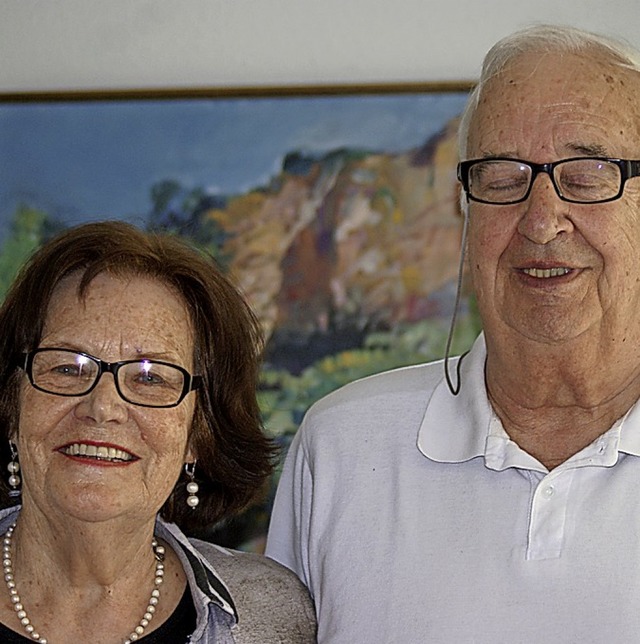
point(559, 94)
point(584, 73)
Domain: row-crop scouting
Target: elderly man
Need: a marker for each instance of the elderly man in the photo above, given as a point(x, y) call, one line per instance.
point(509, 512)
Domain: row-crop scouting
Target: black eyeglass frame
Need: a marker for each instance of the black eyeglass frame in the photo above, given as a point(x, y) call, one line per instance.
point(629, 168)
point(191, 382)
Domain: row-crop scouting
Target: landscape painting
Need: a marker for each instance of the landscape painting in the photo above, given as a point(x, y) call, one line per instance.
point(335, 212)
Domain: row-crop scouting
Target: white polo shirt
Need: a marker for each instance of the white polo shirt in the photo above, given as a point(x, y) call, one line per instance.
point(412, 517)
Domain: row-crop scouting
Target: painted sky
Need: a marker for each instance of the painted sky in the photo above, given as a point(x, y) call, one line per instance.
point(94, 160)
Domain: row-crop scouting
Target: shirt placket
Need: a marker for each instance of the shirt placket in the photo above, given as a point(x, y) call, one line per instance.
point(548, 515)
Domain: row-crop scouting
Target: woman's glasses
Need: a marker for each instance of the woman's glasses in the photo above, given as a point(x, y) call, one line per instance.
point(148, 383)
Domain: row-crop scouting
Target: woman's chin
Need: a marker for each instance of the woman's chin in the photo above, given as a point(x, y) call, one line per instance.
point(90, 502)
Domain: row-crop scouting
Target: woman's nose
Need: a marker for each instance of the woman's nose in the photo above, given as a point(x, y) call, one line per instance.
point(103, 403)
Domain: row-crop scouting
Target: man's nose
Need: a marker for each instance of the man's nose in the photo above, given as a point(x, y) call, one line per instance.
point(544, 215)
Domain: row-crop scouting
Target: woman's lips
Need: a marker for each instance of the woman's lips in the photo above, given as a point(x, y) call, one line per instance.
point(98, 452)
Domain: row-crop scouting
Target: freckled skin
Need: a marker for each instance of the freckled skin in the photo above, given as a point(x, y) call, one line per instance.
point(119, 320)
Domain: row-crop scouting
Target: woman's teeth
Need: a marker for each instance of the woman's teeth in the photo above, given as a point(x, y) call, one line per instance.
point(99, 452)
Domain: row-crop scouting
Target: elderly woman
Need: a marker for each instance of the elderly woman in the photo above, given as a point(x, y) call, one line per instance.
point(128, 367)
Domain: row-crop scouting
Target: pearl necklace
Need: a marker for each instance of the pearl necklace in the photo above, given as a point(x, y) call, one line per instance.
point(137, 632)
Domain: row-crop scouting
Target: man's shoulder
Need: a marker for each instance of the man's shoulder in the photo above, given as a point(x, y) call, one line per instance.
point(400, 386)
point(269, 598)
point(386, 407)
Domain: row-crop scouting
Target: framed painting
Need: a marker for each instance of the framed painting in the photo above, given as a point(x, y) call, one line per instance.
point(334, 209)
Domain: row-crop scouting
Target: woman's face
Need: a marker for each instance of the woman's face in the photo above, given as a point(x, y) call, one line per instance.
point(119, 319)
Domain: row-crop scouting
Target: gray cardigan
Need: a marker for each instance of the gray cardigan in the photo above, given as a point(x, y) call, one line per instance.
point(239, 597)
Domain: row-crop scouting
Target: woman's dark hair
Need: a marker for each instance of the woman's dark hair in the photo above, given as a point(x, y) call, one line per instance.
point(234, 455)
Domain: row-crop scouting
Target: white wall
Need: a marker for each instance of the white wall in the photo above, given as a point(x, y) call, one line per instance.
point(124, 44)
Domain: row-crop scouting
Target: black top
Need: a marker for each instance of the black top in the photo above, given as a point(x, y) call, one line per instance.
point(177, 628)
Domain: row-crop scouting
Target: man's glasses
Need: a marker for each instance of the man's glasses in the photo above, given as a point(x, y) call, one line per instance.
point(503, 181)
point(148, 383)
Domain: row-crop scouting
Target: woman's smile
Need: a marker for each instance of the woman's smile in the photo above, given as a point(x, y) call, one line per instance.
point(97, 453)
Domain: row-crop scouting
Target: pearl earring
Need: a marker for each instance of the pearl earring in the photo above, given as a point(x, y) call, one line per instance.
point(14, 468)
point(192, 486)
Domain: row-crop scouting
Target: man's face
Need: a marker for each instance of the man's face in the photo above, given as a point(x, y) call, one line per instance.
point(543, 108)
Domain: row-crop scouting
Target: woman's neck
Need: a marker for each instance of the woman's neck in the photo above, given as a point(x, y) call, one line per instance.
point(90, 582)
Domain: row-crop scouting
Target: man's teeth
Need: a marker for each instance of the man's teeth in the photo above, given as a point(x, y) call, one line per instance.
point(99, 452)
point(545, 272)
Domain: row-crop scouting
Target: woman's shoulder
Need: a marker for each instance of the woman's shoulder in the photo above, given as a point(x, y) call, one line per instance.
point(269, 598)
point(243, 567)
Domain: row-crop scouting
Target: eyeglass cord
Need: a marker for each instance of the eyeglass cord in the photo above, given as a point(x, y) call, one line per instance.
point(455, 390)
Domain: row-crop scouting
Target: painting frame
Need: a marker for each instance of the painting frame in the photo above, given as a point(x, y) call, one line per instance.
point(254, 91)
point(356, 354)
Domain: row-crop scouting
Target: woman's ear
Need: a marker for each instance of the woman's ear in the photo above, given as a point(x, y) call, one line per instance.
point(190, 455)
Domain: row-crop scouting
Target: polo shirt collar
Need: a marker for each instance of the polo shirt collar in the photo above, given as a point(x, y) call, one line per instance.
point(629, 442)
point(455, 428)
point(459, 428)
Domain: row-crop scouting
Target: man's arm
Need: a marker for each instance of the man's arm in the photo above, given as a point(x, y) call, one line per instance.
point(288, 539)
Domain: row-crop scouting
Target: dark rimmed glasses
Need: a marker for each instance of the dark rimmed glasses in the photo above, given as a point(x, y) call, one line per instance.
point(586, 180)
point(148, 383)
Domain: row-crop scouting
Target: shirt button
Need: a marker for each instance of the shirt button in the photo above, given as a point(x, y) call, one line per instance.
point(549, 491)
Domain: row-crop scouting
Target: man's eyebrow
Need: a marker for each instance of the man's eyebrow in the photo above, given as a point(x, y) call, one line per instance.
point(494, 155)
point(579, 149)
point(588, 149)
